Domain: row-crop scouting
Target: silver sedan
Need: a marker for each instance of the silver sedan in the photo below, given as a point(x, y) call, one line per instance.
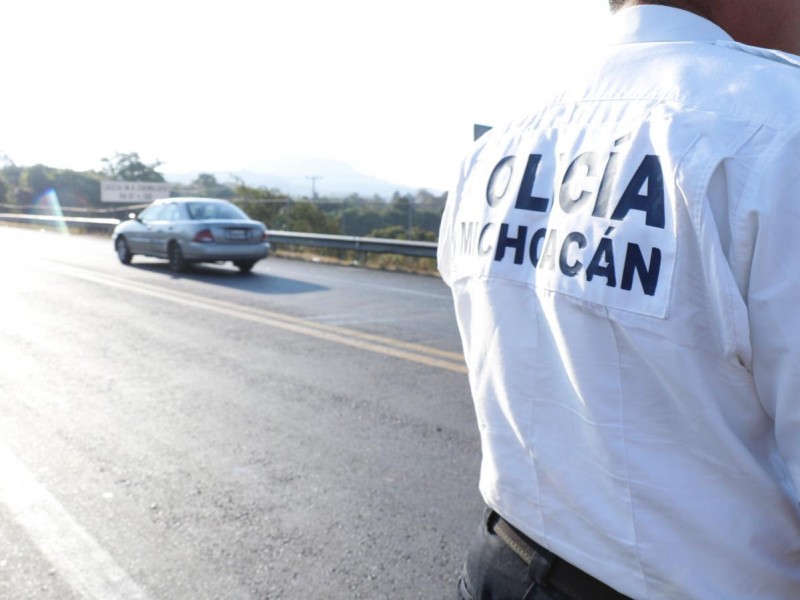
point(191, 230)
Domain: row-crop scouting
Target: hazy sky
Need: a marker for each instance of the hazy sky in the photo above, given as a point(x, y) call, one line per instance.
point(390, 87)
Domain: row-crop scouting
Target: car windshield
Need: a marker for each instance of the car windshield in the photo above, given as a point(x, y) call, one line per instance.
point(214, 210)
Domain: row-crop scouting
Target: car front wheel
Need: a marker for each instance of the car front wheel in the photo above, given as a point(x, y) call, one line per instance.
point(123, 251)
point(176, 261)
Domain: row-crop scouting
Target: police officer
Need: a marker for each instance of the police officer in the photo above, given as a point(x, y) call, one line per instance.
point(625, 267)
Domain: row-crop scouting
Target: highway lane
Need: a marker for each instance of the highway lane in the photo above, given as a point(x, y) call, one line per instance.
point(302, 432)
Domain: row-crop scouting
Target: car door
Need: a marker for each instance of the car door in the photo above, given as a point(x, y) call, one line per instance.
point(140, 238)
point(162, 229)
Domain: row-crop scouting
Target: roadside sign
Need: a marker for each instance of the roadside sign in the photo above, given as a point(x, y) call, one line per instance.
point(478, 130)
point(132, 192)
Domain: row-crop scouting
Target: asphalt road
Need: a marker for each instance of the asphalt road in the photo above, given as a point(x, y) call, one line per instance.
point(302, 432)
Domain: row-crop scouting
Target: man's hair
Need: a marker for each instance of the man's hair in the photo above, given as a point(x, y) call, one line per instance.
point(615, 5)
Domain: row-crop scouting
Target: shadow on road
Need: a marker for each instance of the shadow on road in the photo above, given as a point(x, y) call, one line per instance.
point(254, 282)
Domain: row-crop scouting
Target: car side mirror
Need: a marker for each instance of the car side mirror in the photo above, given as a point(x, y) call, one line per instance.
point(133, 216)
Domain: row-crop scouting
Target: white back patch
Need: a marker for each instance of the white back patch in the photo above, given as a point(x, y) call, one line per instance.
point(586, 212)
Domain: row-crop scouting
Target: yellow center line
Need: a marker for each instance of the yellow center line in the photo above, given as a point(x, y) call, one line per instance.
point(417, 353)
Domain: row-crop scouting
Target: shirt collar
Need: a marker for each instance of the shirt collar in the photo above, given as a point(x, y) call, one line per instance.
point(649, 23)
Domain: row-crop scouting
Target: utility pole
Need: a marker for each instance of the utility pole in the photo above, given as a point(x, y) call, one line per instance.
point(410, 215)
point(313, 179)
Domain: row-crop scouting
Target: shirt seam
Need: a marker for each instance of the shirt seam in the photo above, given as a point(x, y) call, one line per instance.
point(683, 103)
point(614, 333)
point(751, 189)
point(755, 180)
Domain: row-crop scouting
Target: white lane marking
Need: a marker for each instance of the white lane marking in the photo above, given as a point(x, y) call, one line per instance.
point(78, 558)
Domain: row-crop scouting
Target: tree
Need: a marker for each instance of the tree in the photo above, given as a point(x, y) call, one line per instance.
point(78, 188)
point(361, 220)
point(397, 232)
point(207, 186)
point(305, 216)
point(129, 167)
point(74, 188)
point(261, 204)
point(205, 180)
point(3, 189)
point(38, 179)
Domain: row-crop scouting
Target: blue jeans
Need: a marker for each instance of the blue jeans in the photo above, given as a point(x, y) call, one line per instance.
point(493, 572)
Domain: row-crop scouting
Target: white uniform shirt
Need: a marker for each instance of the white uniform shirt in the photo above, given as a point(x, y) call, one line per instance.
point(625, 264)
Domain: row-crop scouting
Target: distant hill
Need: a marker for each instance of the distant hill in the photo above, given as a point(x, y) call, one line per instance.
point(333, 178)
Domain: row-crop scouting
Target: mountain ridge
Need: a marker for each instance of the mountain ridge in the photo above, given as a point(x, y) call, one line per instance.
point(302, 176)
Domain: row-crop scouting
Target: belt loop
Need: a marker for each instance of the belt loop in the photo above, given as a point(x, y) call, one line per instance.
point(539, 559)
point(540, 566)
point(490, 518)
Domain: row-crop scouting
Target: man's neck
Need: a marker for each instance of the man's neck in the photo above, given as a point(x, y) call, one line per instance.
point(698, 8)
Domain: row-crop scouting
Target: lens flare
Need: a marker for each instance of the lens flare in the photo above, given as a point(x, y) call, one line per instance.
point(48, 204)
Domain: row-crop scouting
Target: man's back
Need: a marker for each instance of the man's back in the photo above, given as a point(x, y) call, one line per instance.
point(622, 263)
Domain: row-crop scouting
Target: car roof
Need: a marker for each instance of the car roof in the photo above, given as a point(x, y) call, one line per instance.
point(184, 199)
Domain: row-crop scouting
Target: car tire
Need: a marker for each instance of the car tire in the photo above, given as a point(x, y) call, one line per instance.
point(123, 251)
point(177, 263)
point(245, 266)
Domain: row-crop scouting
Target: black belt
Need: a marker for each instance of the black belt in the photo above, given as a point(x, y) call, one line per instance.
point(547, 569)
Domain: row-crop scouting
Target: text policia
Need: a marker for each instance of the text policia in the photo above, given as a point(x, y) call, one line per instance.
point(580, 242)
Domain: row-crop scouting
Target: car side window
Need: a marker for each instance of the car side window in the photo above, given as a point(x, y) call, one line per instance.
point(151, 213)
point(196, 211)
point(170, 213)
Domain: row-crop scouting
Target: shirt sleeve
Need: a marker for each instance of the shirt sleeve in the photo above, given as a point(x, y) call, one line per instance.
point(773, 296)
point(445, 249)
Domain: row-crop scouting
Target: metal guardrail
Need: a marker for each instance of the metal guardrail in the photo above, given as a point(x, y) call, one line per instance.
point(319, 240)
point(98, 223)
point(355, 244)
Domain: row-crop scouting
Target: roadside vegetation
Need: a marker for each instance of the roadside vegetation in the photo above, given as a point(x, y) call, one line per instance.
point(40, 189)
